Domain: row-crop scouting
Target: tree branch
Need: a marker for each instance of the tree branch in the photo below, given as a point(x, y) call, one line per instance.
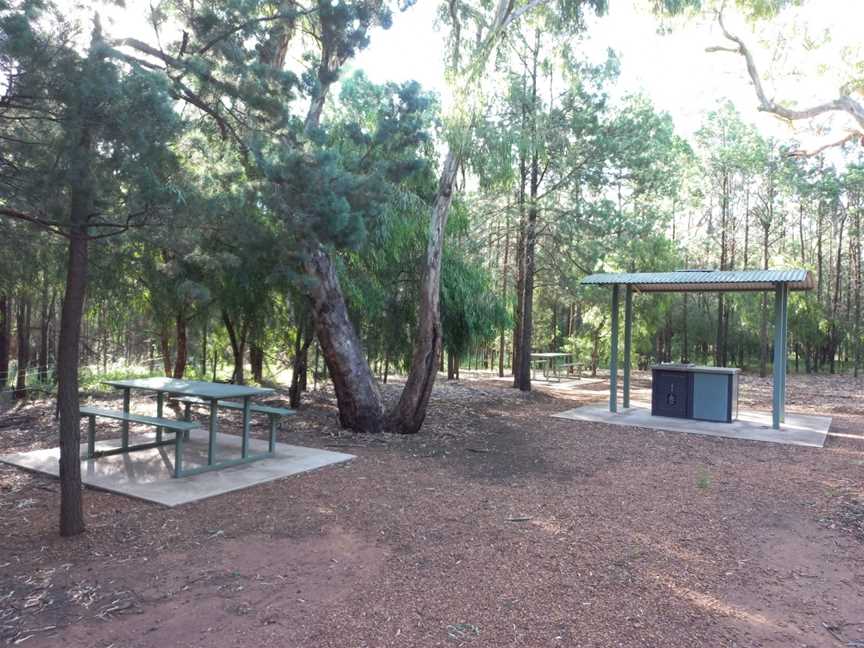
point(849, 137)
point(844, 103)
point(51, 226)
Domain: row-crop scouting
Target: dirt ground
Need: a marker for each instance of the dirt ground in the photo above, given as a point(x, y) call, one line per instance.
point(496, 526)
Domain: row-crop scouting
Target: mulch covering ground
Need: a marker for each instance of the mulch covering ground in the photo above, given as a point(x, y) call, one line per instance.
point(496, 526)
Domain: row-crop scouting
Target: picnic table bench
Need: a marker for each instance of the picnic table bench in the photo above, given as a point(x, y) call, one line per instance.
point(274, 414)
point(179, 428)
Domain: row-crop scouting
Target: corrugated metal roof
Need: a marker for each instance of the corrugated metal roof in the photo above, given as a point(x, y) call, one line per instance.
point(706, 280)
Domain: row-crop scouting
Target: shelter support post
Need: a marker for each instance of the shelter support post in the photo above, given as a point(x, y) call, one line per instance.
point(785, 356)
point(613, 353)
point(781, 298)
point(628, 342)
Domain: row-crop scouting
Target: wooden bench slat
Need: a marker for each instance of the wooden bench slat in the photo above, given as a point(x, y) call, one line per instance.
point(171, 424)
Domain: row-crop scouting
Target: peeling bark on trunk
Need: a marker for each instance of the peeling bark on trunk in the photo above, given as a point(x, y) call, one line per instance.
point(410, 411)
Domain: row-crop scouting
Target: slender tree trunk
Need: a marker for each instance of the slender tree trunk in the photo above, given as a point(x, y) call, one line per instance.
point(256, 362)
point(5, 339)
point(857, 278)
point(22, 332)
point(300, 363)
point(204, 346)
point(68, 346)
point(526, 296)
point(22, 325)
point(238, 348)
point(165, 348)
point(504, 272)
point(71, 512)
point(46, 309)
point(182, 346)
point(410, 411)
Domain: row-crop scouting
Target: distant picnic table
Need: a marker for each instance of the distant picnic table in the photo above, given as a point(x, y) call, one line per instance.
point(551, 362)
point(189, 392)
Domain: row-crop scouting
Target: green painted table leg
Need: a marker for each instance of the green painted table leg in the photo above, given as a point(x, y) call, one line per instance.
point(178, 455)
point(187, 416)
point(160, 403)
point(124, 428)
point(244, 447)
point(214, 429)
point(91, 436)
point(273, 421)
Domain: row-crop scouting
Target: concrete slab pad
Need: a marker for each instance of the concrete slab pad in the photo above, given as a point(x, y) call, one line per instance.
point(799, 429)
point(146, 474)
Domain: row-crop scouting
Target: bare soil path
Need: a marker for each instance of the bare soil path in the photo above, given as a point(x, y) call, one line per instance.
point(496, 526)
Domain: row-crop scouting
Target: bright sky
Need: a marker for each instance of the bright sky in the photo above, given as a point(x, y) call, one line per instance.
point(800, 56)
point(673, 69)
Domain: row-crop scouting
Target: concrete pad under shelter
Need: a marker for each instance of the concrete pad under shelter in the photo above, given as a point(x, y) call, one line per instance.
point(147, 474)
point(799, 429)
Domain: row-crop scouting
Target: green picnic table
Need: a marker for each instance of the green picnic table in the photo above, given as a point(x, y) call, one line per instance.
point(211, 393)
point(551, 363)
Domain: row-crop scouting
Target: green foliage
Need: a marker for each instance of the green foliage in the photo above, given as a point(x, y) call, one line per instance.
point(471, 314)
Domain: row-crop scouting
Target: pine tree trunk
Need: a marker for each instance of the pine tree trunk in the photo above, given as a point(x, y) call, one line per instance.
point(410, 411)
point(857, 284)
point(204, 347)
point(256, 362)
point(71, 511)
point(5, 339)
point(68, 344)
point(47, 312)
point(238, 348)
point(522, 378)
point(165, 347)
point(182, 346)
point(22, 326)
point(504, 272)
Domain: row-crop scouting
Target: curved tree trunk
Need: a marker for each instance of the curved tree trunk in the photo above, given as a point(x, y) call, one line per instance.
point(358, 398)
point(408, 415)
